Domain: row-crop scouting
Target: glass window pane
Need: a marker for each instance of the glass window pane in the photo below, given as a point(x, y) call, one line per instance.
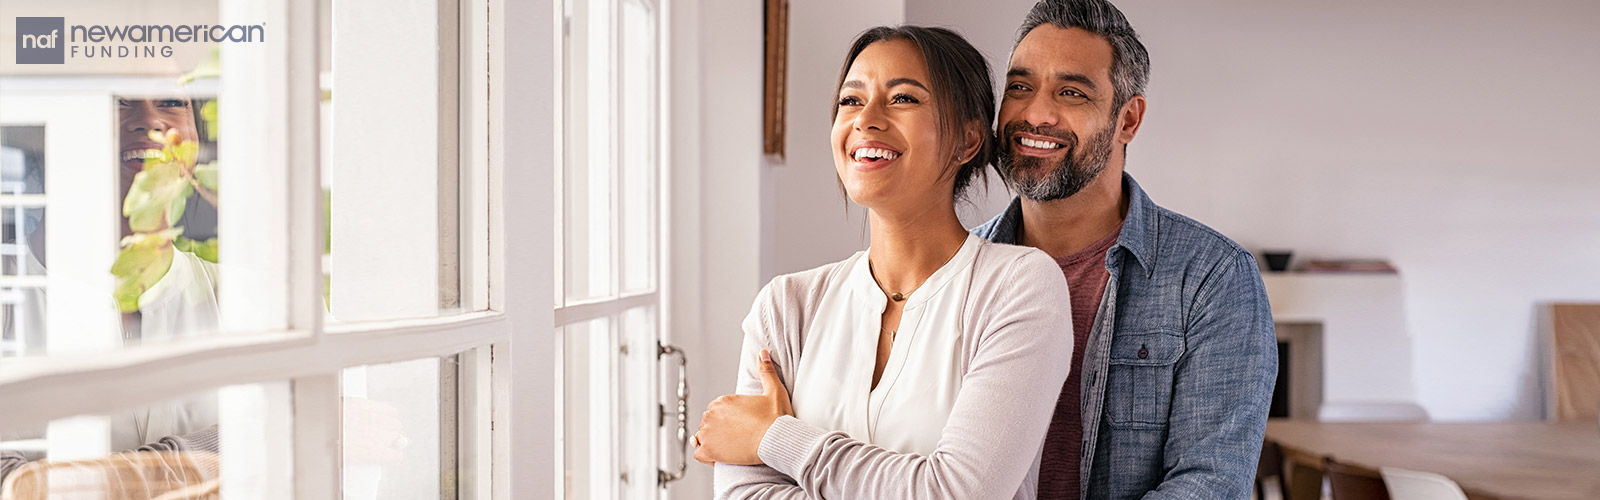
point(588, 170)
point(22, 321)
point(21, 159)
point(589, 443)
point(121, 141)
point(392, 175)
point(170, 448)
point(394, 417)
point(639, 152)
point(641, 421)
point(22, 241)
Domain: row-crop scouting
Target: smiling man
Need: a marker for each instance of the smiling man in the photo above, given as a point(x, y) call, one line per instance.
point(1175, 354)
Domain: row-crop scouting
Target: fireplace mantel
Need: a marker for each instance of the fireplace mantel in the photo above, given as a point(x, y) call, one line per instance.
point(1366, 360)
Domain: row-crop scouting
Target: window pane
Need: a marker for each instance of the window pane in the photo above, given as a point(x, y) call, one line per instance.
point(120, 140)
point(589, 160)
point(639, 151)
point(589, 443)
point(22, 321)
point(394, 417)
point(21, 241)
point(641, 404)
point(393, 172)
point(21, 159)
point(155, 450)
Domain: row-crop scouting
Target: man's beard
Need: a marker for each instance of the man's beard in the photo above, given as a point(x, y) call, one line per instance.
point(1076, 169)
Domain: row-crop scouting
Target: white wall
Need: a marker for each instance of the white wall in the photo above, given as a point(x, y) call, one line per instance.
point(810, 224)
point(714, 146)
point(1455, 138)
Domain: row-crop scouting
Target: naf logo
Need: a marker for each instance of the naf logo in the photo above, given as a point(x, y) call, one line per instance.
point(40, 40)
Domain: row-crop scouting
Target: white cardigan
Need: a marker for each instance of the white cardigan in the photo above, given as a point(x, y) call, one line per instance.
point(1011, 356)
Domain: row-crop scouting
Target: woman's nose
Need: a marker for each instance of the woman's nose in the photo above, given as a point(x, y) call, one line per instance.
point(142, 117)
point(871, 117)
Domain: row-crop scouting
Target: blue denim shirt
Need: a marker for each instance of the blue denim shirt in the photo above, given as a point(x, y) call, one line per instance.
point(1180, 363)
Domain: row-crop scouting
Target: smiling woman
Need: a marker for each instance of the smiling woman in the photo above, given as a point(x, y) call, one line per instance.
point(914, 349)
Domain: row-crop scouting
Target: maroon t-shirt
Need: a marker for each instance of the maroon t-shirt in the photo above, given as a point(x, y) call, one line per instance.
point(1063, 444)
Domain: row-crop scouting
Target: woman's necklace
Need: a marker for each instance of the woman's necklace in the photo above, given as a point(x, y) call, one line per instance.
point(897, 296)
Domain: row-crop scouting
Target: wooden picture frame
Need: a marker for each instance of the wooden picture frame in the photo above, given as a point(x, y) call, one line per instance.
point(777, 76)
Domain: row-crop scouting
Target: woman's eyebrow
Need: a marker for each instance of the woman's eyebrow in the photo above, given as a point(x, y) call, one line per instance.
point(907, 81)
point(856, 84)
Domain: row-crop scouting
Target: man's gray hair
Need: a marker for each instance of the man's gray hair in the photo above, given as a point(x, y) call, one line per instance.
point(1130, 64)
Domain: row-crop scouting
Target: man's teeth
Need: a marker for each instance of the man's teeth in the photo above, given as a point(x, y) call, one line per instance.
point(1037, 144)
point(141, 154)
point(876, 153)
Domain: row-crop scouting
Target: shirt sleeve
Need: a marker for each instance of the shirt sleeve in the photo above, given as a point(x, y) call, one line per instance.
point(761, 329)
point(996, 426)
point(10, 461)
point(1222, 388)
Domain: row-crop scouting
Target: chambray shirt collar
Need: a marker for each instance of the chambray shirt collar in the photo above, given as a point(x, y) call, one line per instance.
point(1139, 227)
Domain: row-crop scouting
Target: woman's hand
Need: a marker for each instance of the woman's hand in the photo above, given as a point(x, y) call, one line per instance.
point(732, 426)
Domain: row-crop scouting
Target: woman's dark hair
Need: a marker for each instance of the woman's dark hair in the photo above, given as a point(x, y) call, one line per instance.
point(961, 88)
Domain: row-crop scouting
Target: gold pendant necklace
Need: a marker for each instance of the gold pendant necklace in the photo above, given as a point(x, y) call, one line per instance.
point(897, 296)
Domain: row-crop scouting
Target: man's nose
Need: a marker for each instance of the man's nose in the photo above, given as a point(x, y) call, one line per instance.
point(1039, 113)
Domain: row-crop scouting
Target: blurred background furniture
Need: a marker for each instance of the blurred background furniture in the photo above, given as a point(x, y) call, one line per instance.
point(1500, 460)
point(1269, 472)
point(1305, 481)
point(122, 476)
point(1405, 484)
point(1575, 342)
point(1350, 482)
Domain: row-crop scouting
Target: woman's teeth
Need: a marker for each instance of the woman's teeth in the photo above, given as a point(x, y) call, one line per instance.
point(875, 153)
point(1037, 144)
point(141, 154)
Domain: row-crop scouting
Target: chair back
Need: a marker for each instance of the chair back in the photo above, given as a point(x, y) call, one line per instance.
point(1414, 485)
point(121, 476)
point(1576, 367)
point(1271, 467)
point(1355, 483)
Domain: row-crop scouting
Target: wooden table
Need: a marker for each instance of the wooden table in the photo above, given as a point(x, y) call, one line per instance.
point(1501, 460)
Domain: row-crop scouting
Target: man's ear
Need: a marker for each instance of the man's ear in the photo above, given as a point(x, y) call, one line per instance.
point(1129, 118)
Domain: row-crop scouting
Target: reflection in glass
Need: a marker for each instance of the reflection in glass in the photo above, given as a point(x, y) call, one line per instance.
point(22, 321)
point(21, 159)
point(22, 241)
point(170, 449)
point(168, 184)
point(392, 418)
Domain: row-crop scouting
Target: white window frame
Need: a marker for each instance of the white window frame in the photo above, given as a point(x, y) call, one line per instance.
point(510, 130)
point(635, 366)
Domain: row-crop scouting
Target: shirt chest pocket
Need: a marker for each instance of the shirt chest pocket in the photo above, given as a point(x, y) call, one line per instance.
point(1139, 388)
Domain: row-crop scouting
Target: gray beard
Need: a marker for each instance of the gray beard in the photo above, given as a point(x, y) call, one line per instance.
point(1075, 170)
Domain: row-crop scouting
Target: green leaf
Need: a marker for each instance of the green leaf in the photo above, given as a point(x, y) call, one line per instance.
point(208, 111)
point(207, 175)
point(203, 249)
point(156, 198)
point(185, 152)
point(144, 260)
point(211, 67)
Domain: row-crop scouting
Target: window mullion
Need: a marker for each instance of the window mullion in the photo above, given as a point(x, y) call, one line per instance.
point(317, 422)
point(305, 190)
